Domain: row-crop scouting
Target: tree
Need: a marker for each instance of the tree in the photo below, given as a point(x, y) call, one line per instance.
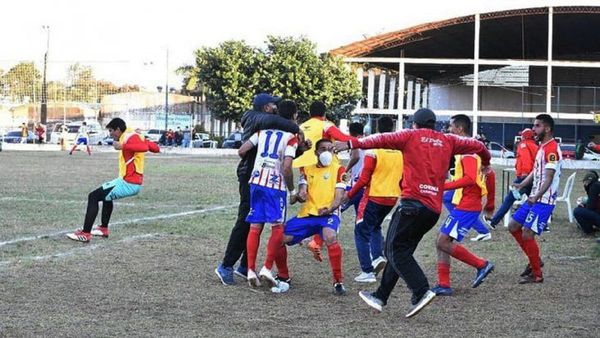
point(234, 72)
point(230, 77)
point(21, 81)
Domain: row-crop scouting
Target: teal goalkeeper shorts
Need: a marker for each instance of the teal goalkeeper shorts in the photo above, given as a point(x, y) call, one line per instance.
point(120, 189)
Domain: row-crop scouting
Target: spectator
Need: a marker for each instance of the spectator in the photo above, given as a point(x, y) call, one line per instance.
point(187, 135)
point(587, 213)
point(40, 133)
point(170, 137)
point(594, 147)
point(24, 133)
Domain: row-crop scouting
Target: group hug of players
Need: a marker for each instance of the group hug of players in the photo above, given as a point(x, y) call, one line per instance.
point(372, 182)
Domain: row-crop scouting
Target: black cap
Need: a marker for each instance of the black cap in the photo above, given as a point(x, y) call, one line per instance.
point(423, 116)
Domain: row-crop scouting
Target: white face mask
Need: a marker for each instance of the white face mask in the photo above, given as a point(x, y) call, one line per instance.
point(325, 158)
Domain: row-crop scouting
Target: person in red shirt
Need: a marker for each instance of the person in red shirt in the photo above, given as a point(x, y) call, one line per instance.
point(469, 187)
point(427, 155)
point(594, 147)
point(526, 150)
point(131, 146)
point(40, 132)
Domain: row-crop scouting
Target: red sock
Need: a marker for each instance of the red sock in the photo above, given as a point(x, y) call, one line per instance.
point(462, 254)
point(281, 262)
point(443, 274)
point(273, 245)
point(252, 244)
point(318, 240)
point(335, 260)
point(518, 235)
point(533, 253)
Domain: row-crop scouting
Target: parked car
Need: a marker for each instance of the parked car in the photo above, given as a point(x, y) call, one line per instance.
point(498, 150)
point(154, 134)
point(202, 140)
point(107, 141)
point(15, 137)
point(590, 155)
point(568, 151)
point(234, 141)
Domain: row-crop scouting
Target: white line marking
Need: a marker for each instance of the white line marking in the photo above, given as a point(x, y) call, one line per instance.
point(135, 220)
point(74, 251)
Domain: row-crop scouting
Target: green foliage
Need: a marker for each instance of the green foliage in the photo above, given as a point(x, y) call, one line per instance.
point(22, 80)
point(233, 73)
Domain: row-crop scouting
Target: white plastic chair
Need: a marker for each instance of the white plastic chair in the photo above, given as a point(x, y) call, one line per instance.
point(566, 195)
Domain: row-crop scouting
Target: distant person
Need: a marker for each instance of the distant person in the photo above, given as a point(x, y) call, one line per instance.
point(532, 217)
point(526, 151)
point(187, 136)
point(24, 132)
point(132, 148)
point(82, 138)
point(594, 147)
point(427, 155)
point(587, 212)
point(40, 133)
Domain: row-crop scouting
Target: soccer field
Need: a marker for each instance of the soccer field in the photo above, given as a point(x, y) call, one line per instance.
point(155, 275)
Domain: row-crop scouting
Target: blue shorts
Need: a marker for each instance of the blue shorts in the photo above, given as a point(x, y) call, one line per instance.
point(534, 217)
point(304, 227)
point(458, 223)
point(120, 189)
point(82, 140)
point(267, 205)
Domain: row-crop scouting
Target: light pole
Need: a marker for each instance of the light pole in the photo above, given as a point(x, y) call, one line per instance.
point(44, 108)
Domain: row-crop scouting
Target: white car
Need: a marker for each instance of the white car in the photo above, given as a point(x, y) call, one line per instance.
point(498, 150)
point(154, 134)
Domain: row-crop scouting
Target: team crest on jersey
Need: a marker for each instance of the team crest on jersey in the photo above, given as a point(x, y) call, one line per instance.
point(326, 176)
point(551, 157)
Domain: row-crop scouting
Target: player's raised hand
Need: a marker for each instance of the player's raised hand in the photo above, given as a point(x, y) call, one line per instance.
point(117, 145)
point(302, 195)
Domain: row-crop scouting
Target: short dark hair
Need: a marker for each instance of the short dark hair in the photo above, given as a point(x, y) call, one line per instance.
point(117, 123)
point(319, 142)
point(356, 129)
point(547, 120)
point(385, 124)
point(463, 121)
point(317, 108)
point(287, 109)
point(427, 125)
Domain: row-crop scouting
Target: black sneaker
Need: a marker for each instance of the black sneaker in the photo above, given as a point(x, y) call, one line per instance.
point(339, 289)
point(286, 280)
point(528, 271)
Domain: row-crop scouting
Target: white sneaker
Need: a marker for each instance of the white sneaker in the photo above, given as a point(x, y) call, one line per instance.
point(482, 237)
point(379, 264)
point(253, 279)
point(281, 287)
point(267, 277)
point(425, 300)
point(365, 277)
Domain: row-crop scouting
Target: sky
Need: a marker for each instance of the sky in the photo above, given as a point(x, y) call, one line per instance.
point(127, 41)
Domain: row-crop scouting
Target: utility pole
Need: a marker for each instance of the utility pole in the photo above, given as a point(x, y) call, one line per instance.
point(167, 93)
point(44, 108)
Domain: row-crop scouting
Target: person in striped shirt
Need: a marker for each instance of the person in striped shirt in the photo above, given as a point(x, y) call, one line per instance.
point(532, 217)
point(271, 176)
